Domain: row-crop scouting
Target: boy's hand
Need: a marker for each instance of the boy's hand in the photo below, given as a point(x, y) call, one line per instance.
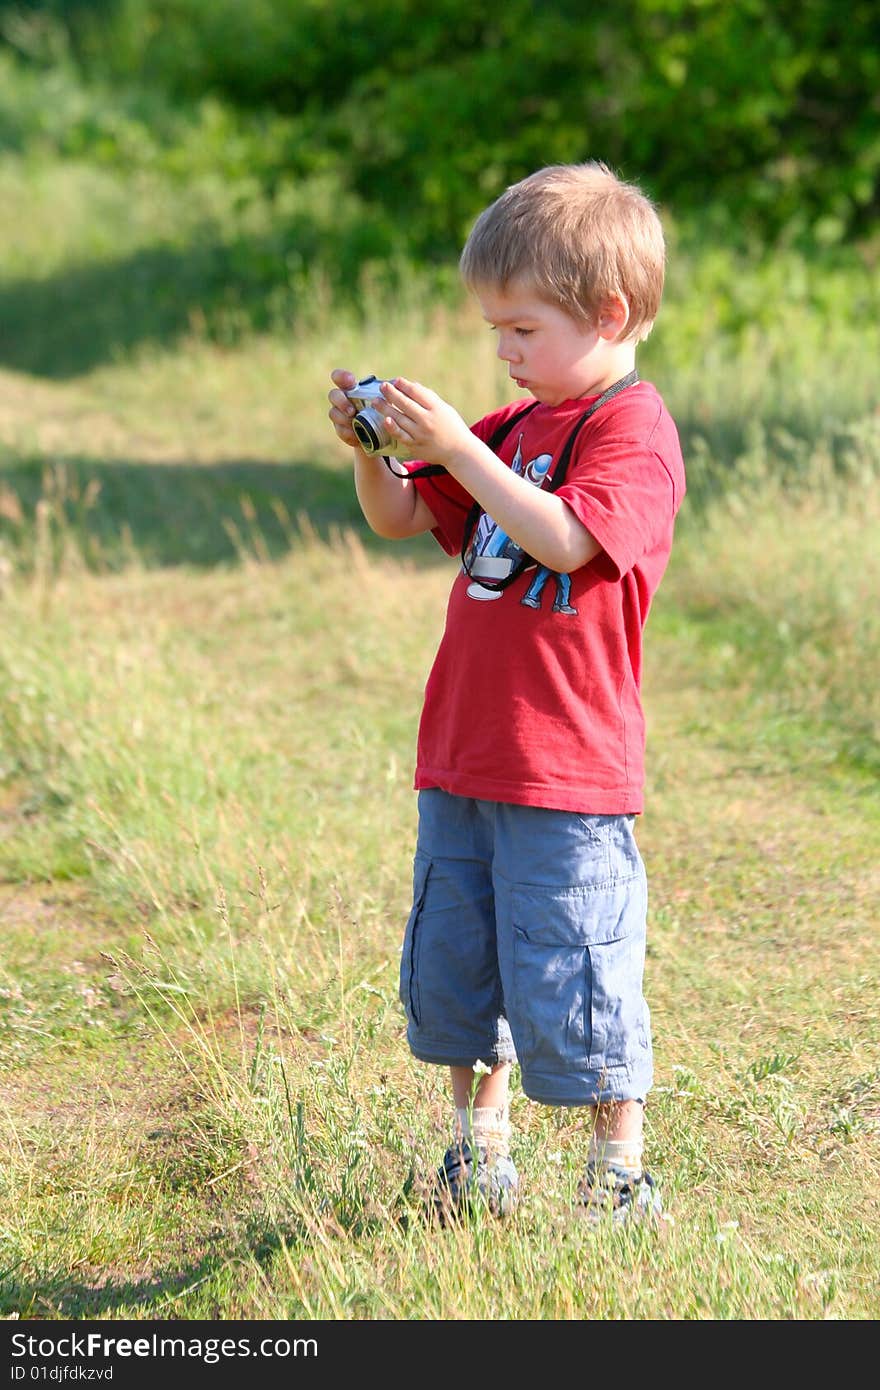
point(342, 410)
point(423, 420)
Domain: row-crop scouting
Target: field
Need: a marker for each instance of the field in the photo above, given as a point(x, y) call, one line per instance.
point(210, 677)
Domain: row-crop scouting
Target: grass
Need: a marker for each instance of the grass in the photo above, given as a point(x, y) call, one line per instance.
point(210, 678)
point(206, 845)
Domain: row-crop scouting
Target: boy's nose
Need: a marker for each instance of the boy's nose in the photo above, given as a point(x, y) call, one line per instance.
point(507, 349)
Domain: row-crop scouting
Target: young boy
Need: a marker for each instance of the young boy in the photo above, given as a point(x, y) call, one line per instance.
point(526, 939)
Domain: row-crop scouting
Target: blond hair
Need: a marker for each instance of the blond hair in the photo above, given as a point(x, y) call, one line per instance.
point(579, 236)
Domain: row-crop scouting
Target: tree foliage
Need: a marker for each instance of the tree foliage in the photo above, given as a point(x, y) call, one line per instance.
point(767, 110)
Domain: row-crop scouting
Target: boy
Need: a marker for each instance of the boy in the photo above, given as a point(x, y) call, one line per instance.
point(527, 936)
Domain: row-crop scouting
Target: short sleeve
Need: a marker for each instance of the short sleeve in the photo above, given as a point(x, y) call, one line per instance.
point(625, 496)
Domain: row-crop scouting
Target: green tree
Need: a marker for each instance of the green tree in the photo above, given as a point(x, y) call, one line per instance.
point(768, 110)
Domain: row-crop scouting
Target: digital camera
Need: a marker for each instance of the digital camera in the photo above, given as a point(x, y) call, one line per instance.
point(369, 423)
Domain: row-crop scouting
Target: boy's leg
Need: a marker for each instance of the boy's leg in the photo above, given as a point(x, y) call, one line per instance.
point(478, 1160)
point(449, 980)
point(482, 1110)
point(571, 905)
point(620, 1121)
point(451, 989)
point(616, 1139)
point(616, 1185)
point(491, 1088)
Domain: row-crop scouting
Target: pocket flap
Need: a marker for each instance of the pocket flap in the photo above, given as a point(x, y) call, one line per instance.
point(573, 917)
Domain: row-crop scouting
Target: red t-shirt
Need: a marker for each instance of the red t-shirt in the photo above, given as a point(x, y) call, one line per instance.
point(534, 697)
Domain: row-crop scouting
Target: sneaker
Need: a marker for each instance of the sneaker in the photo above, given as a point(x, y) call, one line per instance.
point(606, 1192)
point(459, 1179)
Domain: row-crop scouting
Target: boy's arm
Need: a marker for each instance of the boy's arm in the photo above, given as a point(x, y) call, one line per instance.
point(542, 523)
point(391, 505)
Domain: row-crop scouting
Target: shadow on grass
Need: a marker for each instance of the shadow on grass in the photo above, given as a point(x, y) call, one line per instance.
point(60, 1296)
point(65, 324)
point(179, 513)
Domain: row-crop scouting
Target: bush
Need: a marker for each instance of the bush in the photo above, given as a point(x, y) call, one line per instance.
point(766, 108)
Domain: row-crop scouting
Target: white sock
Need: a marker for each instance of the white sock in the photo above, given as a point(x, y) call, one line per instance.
point(488, 1126)
point(623, 1154)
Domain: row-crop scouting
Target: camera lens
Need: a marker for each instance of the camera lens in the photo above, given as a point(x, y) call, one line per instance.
point(366, 435)
point(369, 428)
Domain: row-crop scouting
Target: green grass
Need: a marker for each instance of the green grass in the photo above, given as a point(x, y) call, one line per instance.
point(210, 679)
point(207, 831)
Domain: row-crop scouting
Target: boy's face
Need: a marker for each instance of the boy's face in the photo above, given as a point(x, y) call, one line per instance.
point(554, 356)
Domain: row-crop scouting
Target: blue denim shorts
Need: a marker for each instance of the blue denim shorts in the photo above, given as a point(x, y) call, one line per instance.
point(526, 942)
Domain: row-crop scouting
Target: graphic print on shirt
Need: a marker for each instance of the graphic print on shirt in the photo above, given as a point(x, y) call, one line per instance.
point(493, 554)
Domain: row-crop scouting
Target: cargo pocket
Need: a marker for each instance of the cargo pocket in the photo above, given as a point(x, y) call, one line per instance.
point(578, 957)
point(409, 975)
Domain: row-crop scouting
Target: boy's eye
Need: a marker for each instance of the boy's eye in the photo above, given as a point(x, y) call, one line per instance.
point(524, 332)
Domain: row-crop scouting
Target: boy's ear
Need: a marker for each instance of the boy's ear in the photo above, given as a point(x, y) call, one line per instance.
point(613, 318)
